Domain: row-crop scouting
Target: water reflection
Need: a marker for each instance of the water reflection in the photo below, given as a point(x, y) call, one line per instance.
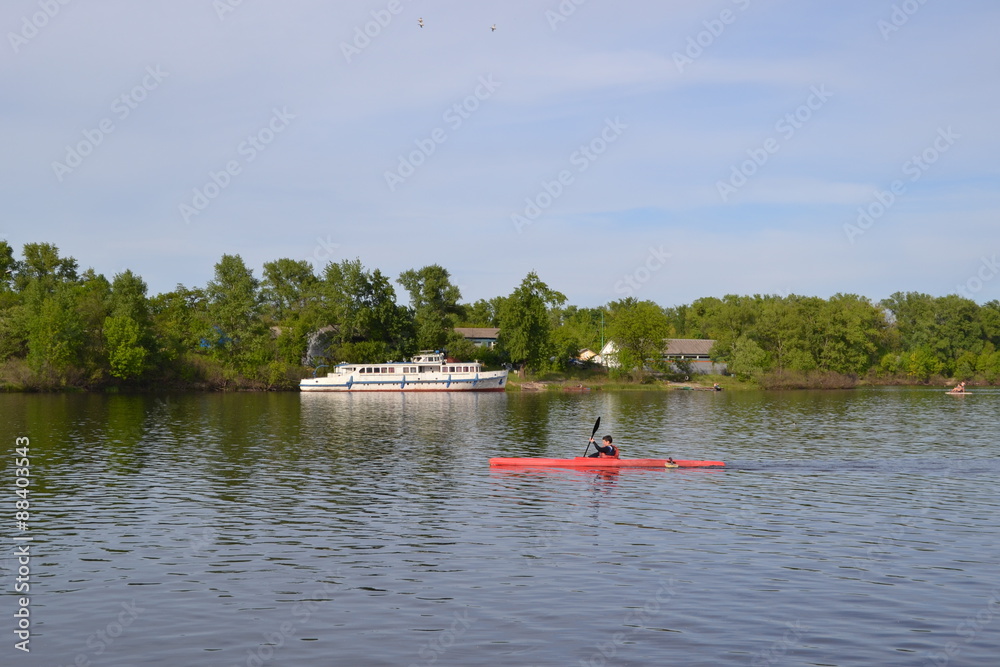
point(848, 528)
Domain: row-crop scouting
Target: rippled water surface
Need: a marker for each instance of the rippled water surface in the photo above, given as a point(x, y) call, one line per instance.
point(849, 528)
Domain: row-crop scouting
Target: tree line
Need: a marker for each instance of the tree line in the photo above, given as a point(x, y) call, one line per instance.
point(60, 327)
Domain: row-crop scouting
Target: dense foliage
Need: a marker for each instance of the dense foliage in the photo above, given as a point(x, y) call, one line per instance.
point(907, 337)
point(63, 328)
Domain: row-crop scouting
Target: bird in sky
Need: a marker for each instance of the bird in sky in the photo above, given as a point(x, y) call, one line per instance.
point(420, 22)
point(493, 27)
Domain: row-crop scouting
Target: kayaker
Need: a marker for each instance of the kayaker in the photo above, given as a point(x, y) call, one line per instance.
point(605, 449)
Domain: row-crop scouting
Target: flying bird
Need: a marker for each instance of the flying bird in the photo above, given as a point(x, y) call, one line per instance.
point(420, 22)
point(493, 27)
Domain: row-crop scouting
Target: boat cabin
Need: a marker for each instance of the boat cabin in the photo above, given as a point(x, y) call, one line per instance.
point(425, 362)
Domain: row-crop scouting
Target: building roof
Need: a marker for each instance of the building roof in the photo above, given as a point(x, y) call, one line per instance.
point(688, 346)
point(478, 332)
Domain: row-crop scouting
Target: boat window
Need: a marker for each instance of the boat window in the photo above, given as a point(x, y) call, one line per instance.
point(465, 369)
point(390, 370)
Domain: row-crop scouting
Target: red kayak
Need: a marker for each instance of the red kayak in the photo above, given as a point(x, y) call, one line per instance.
point(603, 462)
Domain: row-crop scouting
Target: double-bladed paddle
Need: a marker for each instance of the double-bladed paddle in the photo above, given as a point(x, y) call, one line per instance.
point(597, 425)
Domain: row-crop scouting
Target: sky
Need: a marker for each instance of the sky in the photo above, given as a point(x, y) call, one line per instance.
point(660, 150)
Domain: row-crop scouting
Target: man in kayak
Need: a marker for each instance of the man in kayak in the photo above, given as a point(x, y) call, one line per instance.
point(605, 449)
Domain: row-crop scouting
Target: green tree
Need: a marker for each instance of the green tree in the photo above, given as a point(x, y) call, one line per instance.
point(42, 265)
point(434, 300)
point(128, 331)
point(55, 333)
point(525, 328)
point(12, 338)
point(92, 293)
point(586, 326)
point(853, 334)
point(639, 330)
point(290, 291)
point(988, 363)
point(989, 322)
point(238, 335)
point(179, 319)
point(944, 326)
point(748, 360)
point(922, 363)
point(288, 287)
point(8, 266)
point(127, 355)
point(50, 322)
point(482, 313)
point(361, 307)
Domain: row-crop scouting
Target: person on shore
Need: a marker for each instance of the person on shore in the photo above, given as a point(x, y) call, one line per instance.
point(604, 450)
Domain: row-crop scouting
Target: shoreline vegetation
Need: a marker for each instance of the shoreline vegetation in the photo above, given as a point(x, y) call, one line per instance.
point(773, 381)
point(580, 381)
point(65, 330)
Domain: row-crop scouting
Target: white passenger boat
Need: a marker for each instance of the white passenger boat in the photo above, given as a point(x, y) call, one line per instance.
point(427, 371)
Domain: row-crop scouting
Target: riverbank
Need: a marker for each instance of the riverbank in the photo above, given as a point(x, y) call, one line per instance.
point(583, 380)
point(774, 381)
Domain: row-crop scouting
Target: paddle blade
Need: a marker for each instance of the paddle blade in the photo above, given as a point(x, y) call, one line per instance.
point(597, 425)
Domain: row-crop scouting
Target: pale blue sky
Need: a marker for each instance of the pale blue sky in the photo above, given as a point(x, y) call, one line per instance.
point(729, 145)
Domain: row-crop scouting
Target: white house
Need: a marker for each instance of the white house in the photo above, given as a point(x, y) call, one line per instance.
point(694, 351)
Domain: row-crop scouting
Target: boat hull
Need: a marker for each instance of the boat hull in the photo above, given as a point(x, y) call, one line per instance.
point(587, 462)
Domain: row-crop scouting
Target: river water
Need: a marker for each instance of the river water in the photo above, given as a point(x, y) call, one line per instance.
point(849, 528)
